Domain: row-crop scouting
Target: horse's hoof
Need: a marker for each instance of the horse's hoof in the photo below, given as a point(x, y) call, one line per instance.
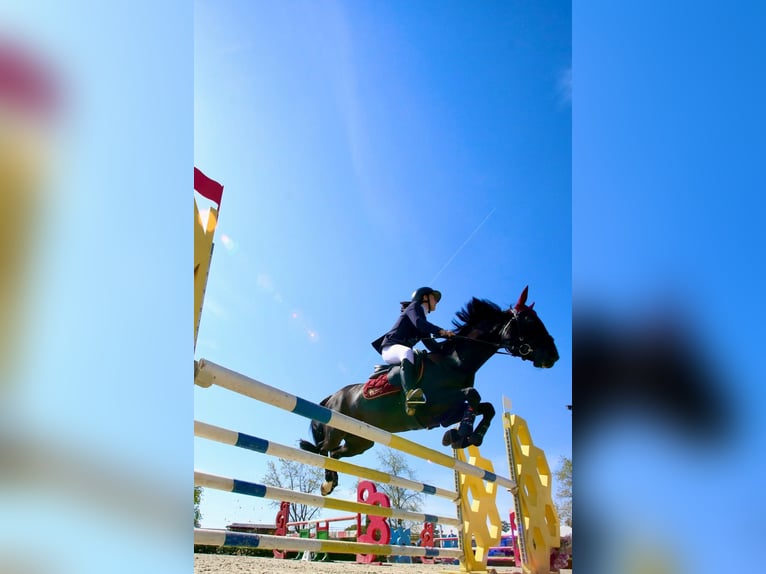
point(475, 439)
point(450, 437)
point(460, 444)
point(326, 488)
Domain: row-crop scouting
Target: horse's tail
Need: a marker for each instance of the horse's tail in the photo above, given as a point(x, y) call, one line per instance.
point(317, 433)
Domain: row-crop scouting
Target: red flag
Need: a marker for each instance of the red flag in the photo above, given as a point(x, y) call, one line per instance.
point(207, 187)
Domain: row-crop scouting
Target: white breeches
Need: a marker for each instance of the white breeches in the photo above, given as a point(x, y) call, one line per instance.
point(395, 354)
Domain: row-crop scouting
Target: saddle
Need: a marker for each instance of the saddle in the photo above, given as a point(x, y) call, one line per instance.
point(379, 382)
point(379, 386)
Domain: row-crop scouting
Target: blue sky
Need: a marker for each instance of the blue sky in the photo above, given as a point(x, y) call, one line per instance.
point(368, 149)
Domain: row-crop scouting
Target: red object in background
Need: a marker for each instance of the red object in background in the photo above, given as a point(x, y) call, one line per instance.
point(378, 530)
point(207, 187)
point(284, 510)
point(427, 541)
point(27, 84)
point(514, 534)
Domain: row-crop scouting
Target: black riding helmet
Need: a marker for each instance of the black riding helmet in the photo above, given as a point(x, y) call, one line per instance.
point(422, 292)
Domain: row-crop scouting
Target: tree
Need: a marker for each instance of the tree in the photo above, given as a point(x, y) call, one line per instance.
point(197, 500)
point(298, 477)
point(394, 463)
point(564, 491)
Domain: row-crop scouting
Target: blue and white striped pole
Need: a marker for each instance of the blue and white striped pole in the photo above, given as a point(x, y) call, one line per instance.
point(209, 373)
point(264, 446)
point(222, 538)
point(274, 493)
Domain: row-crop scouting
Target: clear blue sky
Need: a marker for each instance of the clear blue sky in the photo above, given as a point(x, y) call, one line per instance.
point(367, 149)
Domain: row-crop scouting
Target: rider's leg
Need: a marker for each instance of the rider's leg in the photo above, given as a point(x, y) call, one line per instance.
point(395, 354)
point(406, 359)
point(414, 395)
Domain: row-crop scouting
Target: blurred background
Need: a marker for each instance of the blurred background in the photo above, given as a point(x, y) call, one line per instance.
point(97, 404)
point(96, 154)
point(667, 286)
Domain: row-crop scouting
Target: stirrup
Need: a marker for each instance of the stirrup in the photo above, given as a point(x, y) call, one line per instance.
point(415, 397)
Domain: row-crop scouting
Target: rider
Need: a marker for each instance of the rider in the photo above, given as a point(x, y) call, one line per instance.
point(411, 327)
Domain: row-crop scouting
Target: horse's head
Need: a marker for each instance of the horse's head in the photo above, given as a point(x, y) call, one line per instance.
point(525, 335)
point(519, 330)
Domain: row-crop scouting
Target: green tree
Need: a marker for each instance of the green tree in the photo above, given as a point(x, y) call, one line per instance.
point(299, 477)
point(197, 500)
point(394, 463)
point(564, 491)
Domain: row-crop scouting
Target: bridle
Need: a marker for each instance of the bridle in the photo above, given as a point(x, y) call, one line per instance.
point(519, 348)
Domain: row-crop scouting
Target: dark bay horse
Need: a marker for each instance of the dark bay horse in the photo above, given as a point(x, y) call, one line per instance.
point(481, 330)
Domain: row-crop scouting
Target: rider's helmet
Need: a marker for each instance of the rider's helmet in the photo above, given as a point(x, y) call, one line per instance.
point(423, 291)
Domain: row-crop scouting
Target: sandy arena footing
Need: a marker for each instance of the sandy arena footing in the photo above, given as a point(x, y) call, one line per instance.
point(227, 564)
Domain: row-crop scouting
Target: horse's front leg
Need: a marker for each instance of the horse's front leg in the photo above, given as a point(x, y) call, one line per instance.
point(487, 412)
point(464, 435)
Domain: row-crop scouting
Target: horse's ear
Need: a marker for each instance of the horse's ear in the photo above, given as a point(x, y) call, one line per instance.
point(532, 306)
point(522, 298)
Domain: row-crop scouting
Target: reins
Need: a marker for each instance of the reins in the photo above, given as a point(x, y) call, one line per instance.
point(495, 345)
point(501, 348)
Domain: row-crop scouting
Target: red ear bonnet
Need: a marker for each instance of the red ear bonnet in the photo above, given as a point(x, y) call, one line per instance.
point(522, 299)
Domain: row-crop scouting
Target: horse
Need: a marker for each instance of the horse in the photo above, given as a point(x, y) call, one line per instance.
point(447, 374)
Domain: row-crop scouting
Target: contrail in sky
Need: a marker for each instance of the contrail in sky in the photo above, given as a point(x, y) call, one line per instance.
point(459, 249)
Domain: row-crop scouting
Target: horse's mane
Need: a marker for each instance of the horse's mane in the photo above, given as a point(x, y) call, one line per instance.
point(475, 312)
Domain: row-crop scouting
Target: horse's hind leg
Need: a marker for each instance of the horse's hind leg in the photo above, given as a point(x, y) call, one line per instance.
point(352, 445)
point(330, 482)
point(332, 439)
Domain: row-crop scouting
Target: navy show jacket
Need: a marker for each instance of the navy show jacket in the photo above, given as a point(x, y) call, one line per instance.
point(411, 327)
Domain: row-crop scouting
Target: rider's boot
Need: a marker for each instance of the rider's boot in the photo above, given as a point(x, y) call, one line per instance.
point(413, 397)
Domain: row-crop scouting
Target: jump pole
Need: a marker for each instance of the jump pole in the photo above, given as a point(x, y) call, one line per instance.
point(479, 522)
point(274, 493)
point(209, 373)
point(223, 538)
point(249, 442)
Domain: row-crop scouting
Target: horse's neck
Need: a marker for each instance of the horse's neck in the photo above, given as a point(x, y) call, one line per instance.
point(466, 356)
point(473, 358)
